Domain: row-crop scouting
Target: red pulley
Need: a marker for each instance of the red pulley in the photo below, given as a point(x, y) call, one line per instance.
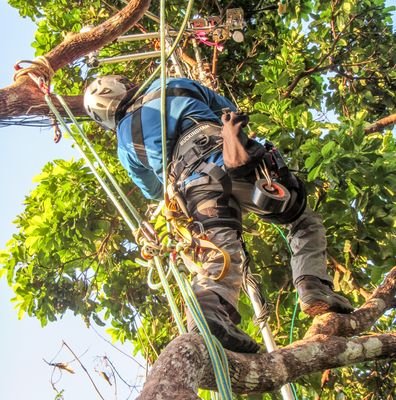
point(271, 198)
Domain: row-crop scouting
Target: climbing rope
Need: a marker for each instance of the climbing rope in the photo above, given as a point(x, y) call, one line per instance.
point(216, 351)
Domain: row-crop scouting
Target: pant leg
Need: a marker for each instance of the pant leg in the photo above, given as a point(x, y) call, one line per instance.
point(202, 203)
point(307, 235)
point(307, 239)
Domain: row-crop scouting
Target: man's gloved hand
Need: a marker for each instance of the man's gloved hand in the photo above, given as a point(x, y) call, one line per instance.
point(235, 117)
point(234, 153)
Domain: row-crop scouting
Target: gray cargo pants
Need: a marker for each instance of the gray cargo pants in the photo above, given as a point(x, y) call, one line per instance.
point(306, 236)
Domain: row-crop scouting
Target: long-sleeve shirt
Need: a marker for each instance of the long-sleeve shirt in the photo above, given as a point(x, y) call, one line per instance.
point(181, 111)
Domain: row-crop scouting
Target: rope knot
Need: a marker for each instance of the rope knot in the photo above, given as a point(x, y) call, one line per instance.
point(39, 70)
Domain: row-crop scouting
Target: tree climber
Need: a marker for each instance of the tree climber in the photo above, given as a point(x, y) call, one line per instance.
point(213, 167)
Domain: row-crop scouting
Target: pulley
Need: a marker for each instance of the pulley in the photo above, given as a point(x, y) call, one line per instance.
point(272, 198)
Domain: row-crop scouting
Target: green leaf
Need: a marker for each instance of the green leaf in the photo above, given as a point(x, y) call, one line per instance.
point(327, 149)
point(314, 173)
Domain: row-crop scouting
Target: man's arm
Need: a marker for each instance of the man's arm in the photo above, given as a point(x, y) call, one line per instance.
point(145, 179)
point(234, 153)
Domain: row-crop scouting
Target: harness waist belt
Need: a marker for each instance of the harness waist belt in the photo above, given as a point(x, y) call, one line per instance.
point(196, 143)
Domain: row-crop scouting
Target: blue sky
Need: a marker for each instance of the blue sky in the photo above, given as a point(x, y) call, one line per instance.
point(23, 343)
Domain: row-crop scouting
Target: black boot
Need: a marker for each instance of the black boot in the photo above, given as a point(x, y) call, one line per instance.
point(317, 297)
point(221, 318)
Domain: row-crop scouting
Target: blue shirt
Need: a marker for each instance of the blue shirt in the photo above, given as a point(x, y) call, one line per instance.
point(179, 110)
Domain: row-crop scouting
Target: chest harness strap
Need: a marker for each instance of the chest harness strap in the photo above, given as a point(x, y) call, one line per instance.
point(136, 110)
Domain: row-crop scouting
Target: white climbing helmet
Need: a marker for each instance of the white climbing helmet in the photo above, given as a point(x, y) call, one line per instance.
point(103, 97)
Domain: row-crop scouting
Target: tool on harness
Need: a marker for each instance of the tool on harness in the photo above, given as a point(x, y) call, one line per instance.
point(281, 193)
point(190, 246)
point(269, 194)
point(273, 198)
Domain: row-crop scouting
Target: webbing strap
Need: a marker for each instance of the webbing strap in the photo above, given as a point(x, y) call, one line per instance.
point(137, 137)
point(136, 110)
point(174, 91)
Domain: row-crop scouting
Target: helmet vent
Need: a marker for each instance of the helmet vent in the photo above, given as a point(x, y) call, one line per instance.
point(97, 117)
point(105, 91)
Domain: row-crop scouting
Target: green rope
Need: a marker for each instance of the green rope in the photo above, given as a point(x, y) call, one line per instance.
point(294, 315)
point(169, 295)
point(216, 351)
point(163, 93)
point(131, 224)
point(293, 319)
point(171, 51)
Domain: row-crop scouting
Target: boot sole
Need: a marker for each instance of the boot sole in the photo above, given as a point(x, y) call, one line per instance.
point(318, 308)
point(231, 342)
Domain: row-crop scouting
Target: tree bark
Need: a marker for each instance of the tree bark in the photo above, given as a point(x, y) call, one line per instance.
point(381, 124)
point(347, 325)
point(23, 97)
point(185, 365)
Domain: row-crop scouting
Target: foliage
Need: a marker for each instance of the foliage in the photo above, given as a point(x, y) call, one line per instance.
point(311, 81)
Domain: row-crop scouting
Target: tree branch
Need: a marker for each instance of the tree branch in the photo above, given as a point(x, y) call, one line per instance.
point(258, 373)
point(80, 44)
point(23, 97)
point(348, 325)
point(381, 124)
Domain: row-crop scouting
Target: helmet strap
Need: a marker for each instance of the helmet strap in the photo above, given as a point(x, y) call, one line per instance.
point(125, 103)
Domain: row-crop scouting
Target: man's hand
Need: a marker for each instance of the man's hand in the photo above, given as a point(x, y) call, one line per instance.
point(234, 153)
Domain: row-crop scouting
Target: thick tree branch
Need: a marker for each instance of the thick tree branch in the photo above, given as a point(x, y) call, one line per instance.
point(185, 364)
point(23, 97)
point(352, 324)
point(81, 44)
point(258, 373)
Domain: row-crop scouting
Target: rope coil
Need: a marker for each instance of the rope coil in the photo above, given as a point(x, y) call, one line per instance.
point(39, 70)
